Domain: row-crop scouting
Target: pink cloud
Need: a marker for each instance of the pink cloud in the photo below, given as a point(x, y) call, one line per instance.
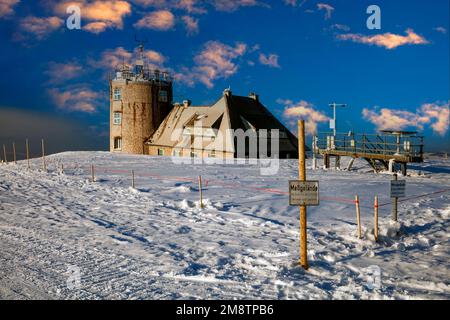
point(158, 20)
point(387, 40)
point(191, 25)
point(434, 114)
point(233, 5)
point(75, 99)
point(7, 7)
point(60, 72)
point(100, 14)
point(303, 110)
point(271, 60)
point(328, 8)
point(40, 28)
point(216, 60)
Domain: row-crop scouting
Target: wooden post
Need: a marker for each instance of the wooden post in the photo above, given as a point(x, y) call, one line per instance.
point(28, 153)
point(201, 191)
point(358, 216)
point(302, 177)
point(44, 166)
point(14, 153)
point(92, 173)
point(62, 168)
point(4, 154)
point(375, 231)
point(394, 204)
point(132, 179)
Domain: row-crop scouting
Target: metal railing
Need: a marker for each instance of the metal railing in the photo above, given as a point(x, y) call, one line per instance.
point(375, 144)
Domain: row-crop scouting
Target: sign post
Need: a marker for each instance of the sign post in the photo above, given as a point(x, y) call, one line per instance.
point(397, 191)
point(302, 177)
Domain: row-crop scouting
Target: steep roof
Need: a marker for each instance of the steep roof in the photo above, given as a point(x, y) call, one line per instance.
point(229, 112)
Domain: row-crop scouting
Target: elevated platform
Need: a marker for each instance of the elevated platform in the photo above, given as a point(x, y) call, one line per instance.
point(383, 148)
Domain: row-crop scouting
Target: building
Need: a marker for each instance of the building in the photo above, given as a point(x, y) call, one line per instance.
point(143, 120)
point(215, 131)
point(140, 100)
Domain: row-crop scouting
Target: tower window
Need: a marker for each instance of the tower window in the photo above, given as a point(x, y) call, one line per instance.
point(117, 118)
point(160, 152)
point(117, 94)
point(163, 96)
point(118, 143)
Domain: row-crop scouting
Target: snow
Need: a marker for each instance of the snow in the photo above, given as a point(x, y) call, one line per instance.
point(154, 241)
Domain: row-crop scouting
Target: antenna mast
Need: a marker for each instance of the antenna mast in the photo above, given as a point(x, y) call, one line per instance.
point(140, 61)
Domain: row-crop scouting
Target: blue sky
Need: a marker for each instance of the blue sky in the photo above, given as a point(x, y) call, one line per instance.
point(299, 56)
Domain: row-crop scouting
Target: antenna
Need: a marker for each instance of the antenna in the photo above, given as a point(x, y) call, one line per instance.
point(140, 61)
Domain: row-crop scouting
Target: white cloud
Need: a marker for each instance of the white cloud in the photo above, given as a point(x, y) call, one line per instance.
point(435, 115)
point(270, 60)
point(386, 40)
point(158, 20)
point(441, 30)
point(328, 8)
point(303, 110)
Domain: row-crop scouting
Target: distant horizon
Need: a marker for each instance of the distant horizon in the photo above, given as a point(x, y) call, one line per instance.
point(304, 56)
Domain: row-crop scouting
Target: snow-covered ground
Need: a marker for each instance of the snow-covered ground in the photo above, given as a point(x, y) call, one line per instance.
point(154, 242)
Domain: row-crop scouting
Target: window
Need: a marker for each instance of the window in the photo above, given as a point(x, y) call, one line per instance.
point(212, 154)
point(193, 154)
point(118, 143)
point(160, 152)
point(163, 96)
point(117, 94)
point(117, 118)
point(176, 153)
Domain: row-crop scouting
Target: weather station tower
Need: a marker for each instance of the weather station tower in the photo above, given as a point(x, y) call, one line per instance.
point(140, 99)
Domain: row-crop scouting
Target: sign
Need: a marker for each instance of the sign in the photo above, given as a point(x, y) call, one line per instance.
point(398, 188)
point(332, 124)
point(303, 193)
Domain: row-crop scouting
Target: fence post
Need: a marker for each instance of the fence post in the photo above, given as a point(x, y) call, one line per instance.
point(44, 166)
point(375, 231)
point(14, 153)
point(358, 216)
point(132, 179)
point(28, 154)
point(201, 191)
point(4, 154)
point(394, 204)
point(92, 173)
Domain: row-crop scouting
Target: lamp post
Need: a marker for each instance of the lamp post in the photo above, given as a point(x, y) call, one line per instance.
point(334, 105)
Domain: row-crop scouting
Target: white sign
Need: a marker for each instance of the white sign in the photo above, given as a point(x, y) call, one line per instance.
point(398, 188)
point(332, 124)
point(303, 193)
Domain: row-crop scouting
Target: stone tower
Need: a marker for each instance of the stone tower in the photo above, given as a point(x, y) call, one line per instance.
point(140, 99)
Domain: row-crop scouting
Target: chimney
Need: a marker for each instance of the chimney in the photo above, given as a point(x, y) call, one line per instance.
point(186, 103)
point(227, 92)
point(254, 96)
